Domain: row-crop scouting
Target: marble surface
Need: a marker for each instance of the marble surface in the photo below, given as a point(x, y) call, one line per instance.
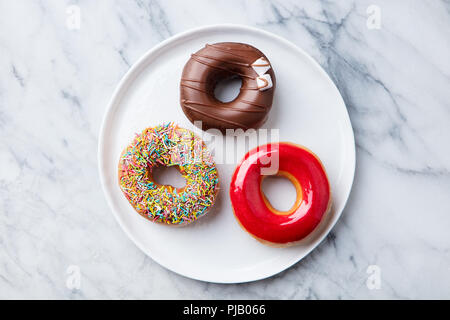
point(56, 80)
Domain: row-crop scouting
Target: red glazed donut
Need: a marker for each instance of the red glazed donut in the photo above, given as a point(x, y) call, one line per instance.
point(255, 213)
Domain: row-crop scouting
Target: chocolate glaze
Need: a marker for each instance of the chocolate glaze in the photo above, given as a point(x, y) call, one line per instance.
point(216, 62)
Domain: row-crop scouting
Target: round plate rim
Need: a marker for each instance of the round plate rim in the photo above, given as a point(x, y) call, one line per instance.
point(121, 89)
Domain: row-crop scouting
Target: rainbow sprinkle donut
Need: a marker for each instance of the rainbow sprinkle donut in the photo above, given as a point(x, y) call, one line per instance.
point(168, 145)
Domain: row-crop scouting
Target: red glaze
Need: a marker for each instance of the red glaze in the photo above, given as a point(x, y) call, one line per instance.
point(254, 212)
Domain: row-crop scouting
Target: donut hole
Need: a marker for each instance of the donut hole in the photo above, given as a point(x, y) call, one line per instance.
point(169, 176)
point(280, 192)
point(226, 90)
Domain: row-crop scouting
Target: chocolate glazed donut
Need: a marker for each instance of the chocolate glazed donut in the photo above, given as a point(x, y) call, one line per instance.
point(219, 61)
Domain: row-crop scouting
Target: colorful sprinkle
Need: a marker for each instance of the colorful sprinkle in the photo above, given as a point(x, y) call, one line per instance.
point(168, 145)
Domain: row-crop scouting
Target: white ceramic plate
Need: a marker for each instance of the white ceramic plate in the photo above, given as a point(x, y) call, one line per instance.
point(307, 110)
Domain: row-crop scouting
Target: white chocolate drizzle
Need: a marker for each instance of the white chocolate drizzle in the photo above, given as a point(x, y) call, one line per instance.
point(263, 81)
point(261, 66)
